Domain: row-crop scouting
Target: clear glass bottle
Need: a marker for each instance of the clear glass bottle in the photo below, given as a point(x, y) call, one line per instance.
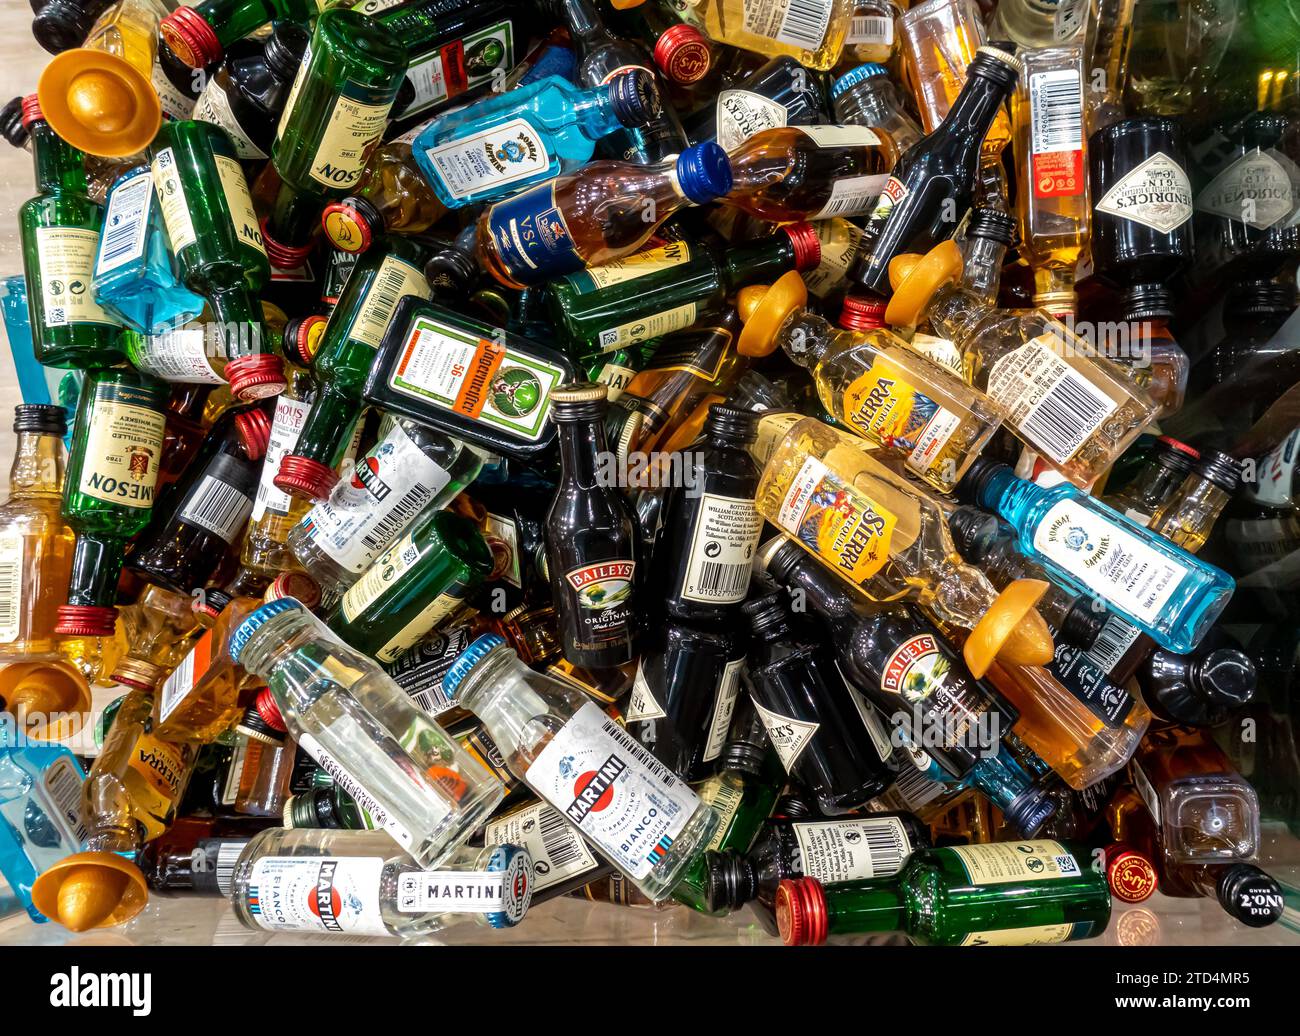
point(1187, 518)
point(161, 627)
point(867, 96)
point(1156, 482)
point(813, 33)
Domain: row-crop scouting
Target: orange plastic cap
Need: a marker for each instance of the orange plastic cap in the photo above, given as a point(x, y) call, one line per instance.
point(99, 103)
point(91, 890)
point(1011, 630)
point(765, 310)
point(915, 279)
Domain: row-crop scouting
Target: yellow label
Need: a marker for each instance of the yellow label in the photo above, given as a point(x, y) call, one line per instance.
point(162, 765)
point(772, 427)
point(123, 448)
point(640, 264)
point(839, 244)
point(1038, 935)
point(428, 618)
point(840, 524)
point(393, 281)
point(171, 199)
point(879, 402)
point(726, 798)
point(240, 202)
point(350, 134)
point(67, 258)
point(643, 330)
point(386, 570)
point(1001, 863)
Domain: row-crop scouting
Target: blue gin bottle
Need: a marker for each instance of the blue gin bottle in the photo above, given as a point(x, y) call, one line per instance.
point(507, 142)
point(135, 277)
point(40, 810)
point(37, 383)
point(1165, 592)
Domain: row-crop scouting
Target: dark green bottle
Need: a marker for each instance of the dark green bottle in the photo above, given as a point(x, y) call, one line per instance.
point(996, 894)
point(109, 490)
point(60, 235)
point(214, 234)
point(337, 111)
point(199, 35)
point(659, 290)
point(419, 581)
point(381, 278)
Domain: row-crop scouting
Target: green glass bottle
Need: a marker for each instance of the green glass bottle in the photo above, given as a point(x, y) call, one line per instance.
point(60, 237)
point(214, 234)
point(109, 490)
point(419, 581)
point(199, 35)
point(995, 894)
point(381, 278)
point(659, 290)
point(337, 110)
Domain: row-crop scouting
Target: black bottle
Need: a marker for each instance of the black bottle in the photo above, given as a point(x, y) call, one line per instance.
point(741, 111)
point(11, 123)
point(199, 517)
point(1142, 202)
point(811, 715)
point(1200, 689)
point(874, 845)
point(1252, 315)
point(704, 553)
point(932, 185)
point(177, 84)
point(684, 695)
point(591, 538)
point(248, 92)
point(60, 25)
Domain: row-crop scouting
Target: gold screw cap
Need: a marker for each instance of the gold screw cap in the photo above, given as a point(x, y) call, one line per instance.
point(99, 103)
point(915, 279)
point(764, 310)
point(1011, 630)
point(91, 890)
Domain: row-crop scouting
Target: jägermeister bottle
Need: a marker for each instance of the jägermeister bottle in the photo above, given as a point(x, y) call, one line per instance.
point(109, 489)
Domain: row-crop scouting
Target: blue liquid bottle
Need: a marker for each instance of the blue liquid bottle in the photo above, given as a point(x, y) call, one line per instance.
point(1165, 592)
point(40, 810)
point(507, 142)
point(38, 384)
point(136, 277)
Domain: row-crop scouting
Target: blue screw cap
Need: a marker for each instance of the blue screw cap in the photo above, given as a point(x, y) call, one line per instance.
point(244, 632)
point(704, 172)
point(855, 75)
point(468, 659)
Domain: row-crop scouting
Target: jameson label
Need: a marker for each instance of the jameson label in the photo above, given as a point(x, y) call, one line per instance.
point(602, 595)
point(621, 336)
point(884, 406)
point(317, 894)
point(837, 522)
point(480, 380)
point(629, 268)
point(454, 67)
point(214, 106)
point(740, 114)
point(171, 199)
point(240, 203)
point(351, 132)
point(394, 280)
point(1035, 935)
point(123, 447)
point(490, 160)
point(1003, 863)
point(67, 263)
point(852, 850)
point(438, 609)
point(1156, 194)
point(1257, 189)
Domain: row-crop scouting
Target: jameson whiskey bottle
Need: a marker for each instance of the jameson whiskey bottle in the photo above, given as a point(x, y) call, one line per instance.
point(213, 230)
point(60, 236)
point(109, 489)
point(200, 34)
point(592, 546)
point(336, 112)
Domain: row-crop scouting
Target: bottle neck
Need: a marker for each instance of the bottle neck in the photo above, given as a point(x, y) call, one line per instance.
point(96, 568)
point(974, 110)
point(38, 465)
point(759, 262)
point(1000, 779)
point(954, 311)
point(238, 320)
point(585, 24)
point(826, 595)
point(982, 269)
point(497, 691)
point(806, 338)
point(1008, 495)
point(1155, 482)
point(594, 112)
point(582, 446)
point(60, 167)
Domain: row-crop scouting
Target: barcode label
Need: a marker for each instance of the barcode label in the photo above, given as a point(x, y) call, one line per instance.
point(558, 851)
point(561, 844)
point(1112, 642)
point(853, 196)
point(723, 580)
point(227, 856)
point(177, 685)
point(1056, 111)
point(916, 789)
point(723, 540)
point(651, 765)
point(63, 782)
point(126, 223)
point(871, 28)
point(11, 585)
point(852, 850)
point(805, 22)
point(1068, 864)
point(218, 507)
point(394, 280)
point(384, 531)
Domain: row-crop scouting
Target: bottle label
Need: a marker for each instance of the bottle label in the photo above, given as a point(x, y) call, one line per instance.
point(839, 240)
point(67, 261)
point(851, 195)
point(642, 704)
point(1003, 863)
point(387, 569)
point(458, 66)
point(1053, 407)
point(363, 798)
point(1256, 190)
point(290, 414)
point(351, 132)
point(389, 487)
point(181, 355)
point(639, 264)
point(1082, 677)
point(799, 23)
point(852, 850)
point(126, 223)
point(317, 894)
point(63, 779)
point(230, 790)
point(941, 351)
point(123, 447)
point(176, 105)
point(163, 766)
point(871, 720)
point(841, 136)
point(219, 503)
point(871, 29)
point(1275, 474)
point(1144, 789)
point(617, 377)
point(1156, 194)
point(240, 202)
point(740, 114)
point(491, 159)
point(503, 539)
point(721, 557)
point(171, 199)
point(883, 406)
point(837, 522)
point(1036, 935)
point(187, 673)
point(558, 851)
point(772, 428)
point(891, 194)
point(506, 891)
point(11, 585)
point(1142, 518)
point(724, 707)
point(481, 380)
point(422, 622)
point(1111, 561)
point(1112, 642)
point(214, 106)
point(602, 600)
point(725, 797)
point(617, 794)
point(789, 736)
point(644, 328)
point(1056, 133)
point(394, 280)
point(531, 236)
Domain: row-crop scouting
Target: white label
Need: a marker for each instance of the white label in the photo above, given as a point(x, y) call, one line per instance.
point(616, 793)
point(1112, 642)
point(214, 106)
point(842, 136)
point(852, 850)
point(639, 264)
point(317, 894)
point(871, 29)
point(721, 558)
point(351, 130)
point(175, 105)
point(617, 378)
point(11, 585)
point(1156, 194)
point(507, 891)
point(67, 263)
point(363, 798)
point(230, 791)
point(800, 23)
point(558, 851)
point(740, 114)
point(1256, 190)
point(941, 351)
point(63, 780)
point(243, 217)
point(180, 355)
point(932, 439)
point(641, 703)
point(724, 707)
point(290, 414)
point(491, 159)
point(126, 224)
point(1055, 111)
point(1053, 407)
point(788, 736)
point(1143, 785)
point(218, 507)
point(393, 281)
point(643, 329)
point(1111, 561)
point(839, 245)
point(1142, 518)
point(853, 196)
point(388, 568)
point(176, 686)
point(171, 199)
